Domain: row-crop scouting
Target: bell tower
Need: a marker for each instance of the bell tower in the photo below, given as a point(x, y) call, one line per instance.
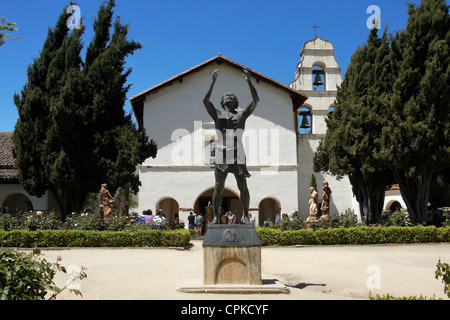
point(317, 75)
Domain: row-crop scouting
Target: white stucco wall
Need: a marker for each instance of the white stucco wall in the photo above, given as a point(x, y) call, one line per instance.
point(7, 190)
point(342, 195)
point(179, 171)
point(179, 110)
point(392, 196)
point(185, 185)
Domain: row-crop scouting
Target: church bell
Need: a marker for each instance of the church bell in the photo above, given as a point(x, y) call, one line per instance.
point(318, 80)
point(305, 123)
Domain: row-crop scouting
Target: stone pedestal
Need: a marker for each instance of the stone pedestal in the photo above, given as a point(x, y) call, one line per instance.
point(232, 262)
point(232, 255)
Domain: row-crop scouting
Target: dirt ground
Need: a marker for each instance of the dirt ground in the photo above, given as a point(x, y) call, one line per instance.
point(309, 272)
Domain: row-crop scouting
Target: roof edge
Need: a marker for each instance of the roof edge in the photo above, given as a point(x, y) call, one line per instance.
point(137, 100)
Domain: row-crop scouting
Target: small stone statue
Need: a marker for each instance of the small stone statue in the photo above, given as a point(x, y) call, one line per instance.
point(313, 203)
point(105, 200)
point(326, 192)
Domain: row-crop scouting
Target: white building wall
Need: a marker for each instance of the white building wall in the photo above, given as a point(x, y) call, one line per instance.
point(342, 195)
point(7, 190)
point(179, 171)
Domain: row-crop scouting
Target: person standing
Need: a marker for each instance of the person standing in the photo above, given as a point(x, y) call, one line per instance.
point(277, 216)
point(191, 219)
point(231, 218)
point(199, 224)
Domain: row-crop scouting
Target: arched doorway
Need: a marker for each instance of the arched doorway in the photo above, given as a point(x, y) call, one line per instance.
point(267, 208)
point(393, 206)
point(17, 201)
point(230, 202)
point(169, 206)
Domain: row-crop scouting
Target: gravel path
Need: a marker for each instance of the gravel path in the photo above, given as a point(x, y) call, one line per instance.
point(310, 272)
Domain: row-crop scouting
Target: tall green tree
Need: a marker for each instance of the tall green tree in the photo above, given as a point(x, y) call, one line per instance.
point(416, 137)
point(354, 128)
point(32, 104)
point(73, 133)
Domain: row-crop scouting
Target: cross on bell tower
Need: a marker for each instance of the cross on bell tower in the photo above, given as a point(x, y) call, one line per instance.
point(315, 27)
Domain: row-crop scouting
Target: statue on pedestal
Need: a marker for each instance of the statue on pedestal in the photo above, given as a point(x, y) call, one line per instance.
point(105, 200)
point(313, 204)
point(230, 156)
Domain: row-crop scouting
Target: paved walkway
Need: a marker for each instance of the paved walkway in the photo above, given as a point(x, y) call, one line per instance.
point(310, 272)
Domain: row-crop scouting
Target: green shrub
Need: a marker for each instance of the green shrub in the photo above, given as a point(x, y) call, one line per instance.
point(354, 235)
point(443, 270)
point(392, 297)
point(268, 236)
point(27, 276)
point(83, 238)
point(303, 236)
point(398, 218)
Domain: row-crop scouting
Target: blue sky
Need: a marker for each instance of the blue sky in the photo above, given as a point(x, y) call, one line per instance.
point(263, 35)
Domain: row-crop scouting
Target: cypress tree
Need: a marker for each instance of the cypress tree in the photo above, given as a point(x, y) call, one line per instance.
point(351, 143)
point(30, 132)
point(73, 133)
point(416, 138)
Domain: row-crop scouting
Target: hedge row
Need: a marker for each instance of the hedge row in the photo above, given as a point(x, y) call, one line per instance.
point(182, 237)
point(354, 235)
point(83, 238)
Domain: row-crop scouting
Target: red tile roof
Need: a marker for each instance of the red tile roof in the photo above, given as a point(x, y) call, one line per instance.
point(297, 97)
point(7, 171)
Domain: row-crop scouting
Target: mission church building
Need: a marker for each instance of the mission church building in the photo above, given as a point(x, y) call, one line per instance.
point(278, 152)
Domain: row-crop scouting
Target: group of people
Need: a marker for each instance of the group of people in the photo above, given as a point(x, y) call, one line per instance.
point(148, 215)
point(196, 221)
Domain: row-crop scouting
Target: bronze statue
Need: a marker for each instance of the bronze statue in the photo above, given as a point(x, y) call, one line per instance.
point(105, 200)
point(230, 157)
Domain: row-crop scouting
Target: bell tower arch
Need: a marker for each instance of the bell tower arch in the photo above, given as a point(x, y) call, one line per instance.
point(317, 75)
